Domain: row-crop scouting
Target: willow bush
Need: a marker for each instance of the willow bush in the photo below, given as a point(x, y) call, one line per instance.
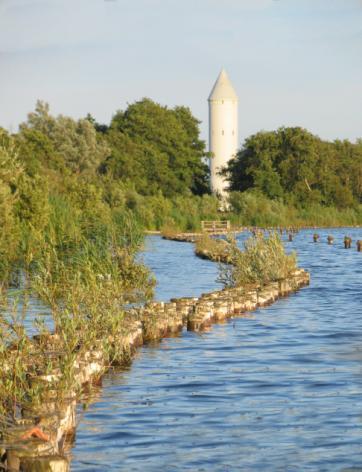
point(262, 261)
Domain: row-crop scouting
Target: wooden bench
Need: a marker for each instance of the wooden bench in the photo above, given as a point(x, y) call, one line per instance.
point(218, 226)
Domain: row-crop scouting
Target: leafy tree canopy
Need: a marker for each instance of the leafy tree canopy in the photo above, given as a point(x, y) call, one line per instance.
point(294, 165)
point(158, 148)
point(61, 142)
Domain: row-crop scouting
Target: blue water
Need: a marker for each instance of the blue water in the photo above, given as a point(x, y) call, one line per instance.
point(279, 389)
point(178, 272)
point(29, 311)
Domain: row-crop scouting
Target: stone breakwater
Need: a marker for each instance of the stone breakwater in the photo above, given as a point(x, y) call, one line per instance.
point(219, 253)
point(41, 442)
point(182, 237)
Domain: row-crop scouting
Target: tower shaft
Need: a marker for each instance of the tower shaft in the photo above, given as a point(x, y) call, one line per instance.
point(223, 130)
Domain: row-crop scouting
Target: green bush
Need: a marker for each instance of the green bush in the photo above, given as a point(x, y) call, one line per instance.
point(262, 261)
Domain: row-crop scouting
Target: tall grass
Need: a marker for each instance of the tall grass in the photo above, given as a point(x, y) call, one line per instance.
point(21, 361)
point(250, 208)
point(254, 209)
point(262, 261)
point(85, 270)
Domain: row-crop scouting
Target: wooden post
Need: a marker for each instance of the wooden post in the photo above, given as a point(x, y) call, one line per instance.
point(347, 242)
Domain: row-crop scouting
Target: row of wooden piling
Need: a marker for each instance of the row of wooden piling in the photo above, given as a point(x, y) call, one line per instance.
point(194, 237)
point(347, 241)
point(39, 442)
point(291, 232)
point(198, 313)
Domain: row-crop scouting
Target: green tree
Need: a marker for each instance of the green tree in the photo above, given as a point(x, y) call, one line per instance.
point(300, 168)
point(158, 149)
point(76, 144)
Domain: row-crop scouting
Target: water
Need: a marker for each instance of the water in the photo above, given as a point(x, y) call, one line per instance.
point(280, 389)
point(178, 272)
point(31, 313)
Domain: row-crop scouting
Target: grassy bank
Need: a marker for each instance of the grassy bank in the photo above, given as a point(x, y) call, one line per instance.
point(254, 209)
point(245, 209)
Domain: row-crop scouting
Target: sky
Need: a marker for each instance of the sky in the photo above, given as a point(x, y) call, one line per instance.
point(292, 62)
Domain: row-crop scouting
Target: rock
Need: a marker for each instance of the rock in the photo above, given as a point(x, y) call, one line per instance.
point(44, 464)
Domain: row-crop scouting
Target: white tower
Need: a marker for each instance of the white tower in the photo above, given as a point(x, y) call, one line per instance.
point(223, 129)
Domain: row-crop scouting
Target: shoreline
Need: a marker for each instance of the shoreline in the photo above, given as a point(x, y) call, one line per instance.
point(193, 237)
point(44, 442)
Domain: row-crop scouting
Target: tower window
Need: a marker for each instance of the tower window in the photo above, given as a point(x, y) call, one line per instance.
point(222, 132)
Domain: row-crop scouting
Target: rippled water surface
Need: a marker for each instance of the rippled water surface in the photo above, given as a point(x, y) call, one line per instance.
point(280, 389)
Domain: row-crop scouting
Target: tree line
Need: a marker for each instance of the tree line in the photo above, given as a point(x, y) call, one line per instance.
point(63, 179)
point(298, 168)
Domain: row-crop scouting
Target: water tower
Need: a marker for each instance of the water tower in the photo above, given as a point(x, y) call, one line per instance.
point(223, 129)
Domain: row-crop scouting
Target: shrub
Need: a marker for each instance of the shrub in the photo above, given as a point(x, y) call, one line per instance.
point(263, 260)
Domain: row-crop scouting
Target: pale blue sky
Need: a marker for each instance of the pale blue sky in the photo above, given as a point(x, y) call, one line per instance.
point(292, 62)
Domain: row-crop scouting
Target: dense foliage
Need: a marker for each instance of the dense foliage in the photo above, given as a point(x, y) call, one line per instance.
point(157, 149)
point(52, 208)
point(262, 261)
point(298, 168)
point(62, 241)
point(63, 179)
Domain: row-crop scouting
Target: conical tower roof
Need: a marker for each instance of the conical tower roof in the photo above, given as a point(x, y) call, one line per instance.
point(223, 89)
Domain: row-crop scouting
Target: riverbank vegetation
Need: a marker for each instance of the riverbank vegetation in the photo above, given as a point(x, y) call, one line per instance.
point(149, 163)
point(76, 197)
point(263, 260)
point(280, 178)
point(63, 243)
point(253, 208)
point(76, 188)
point(215, 249)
